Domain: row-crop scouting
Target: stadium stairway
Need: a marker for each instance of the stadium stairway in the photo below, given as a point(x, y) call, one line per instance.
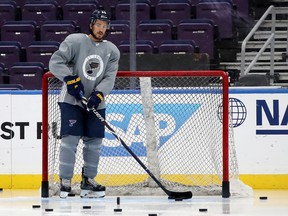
point(263, 66)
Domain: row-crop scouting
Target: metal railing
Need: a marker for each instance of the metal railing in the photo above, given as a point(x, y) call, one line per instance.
point(270, 41)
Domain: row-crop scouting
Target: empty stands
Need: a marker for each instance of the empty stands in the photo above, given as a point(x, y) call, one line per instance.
point(177, 46)
point(7, 11)
point(31, 30)
point(119, 31)
point(79, 12)
point(41, 51)
point(202, 31)
point(155, 30)
point(142, 47)
point(23, 31)
point(40, 11)
point(10, 52)
point(28, 74)
point(220, 12)
point(57, 30)
point(142, 10)
point(174, 10)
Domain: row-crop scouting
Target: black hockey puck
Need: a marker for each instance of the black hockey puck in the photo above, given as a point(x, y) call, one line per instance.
point(35, 206)
point(118, 200)
point(86, 207)
point(203, 210)
point(263, 197)
point(1, 189)
point(48, 210)
point(118, 210)
point(152, 214)
point(71, 195)
point(178, 199)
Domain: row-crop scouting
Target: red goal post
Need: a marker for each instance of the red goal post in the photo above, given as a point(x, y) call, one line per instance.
point(165, 84)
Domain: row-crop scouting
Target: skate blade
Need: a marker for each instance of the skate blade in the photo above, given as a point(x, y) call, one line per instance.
point(92, 194)
point(63, 194)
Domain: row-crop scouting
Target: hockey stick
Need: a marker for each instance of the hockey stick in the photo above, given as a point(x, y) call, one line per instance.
point(171, 194)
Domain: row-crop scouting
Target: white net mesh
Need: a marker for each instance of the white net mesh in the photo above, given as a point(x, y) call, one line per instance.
point(173, 124)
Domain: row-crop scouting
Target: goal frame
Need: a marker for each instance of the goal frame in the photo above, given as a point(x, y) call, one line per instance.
point(203, 73)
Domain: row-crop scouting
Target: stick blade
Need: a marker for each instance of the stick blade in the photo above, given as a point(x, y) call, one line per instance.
point(179, 195)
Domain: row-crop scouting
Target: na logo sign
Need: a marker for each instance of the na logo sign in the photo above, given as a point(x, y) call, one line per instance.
point(130, 126)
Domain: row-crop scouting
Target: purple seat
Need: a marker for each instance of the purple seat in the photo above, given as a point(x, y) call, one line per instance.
point(57, 30)
point(177, 46)
point(174, 10)
point(7, 11)
point(202, 32)
point(142, 46)
point(80, 12)
point(122, 11)
point(40, 11)
point(119, 31)
point(41, 51)
point(10, 52)
point(22, 31)
point(220, 11)
point(28, 74)
point(155, 30)
point(108, 4)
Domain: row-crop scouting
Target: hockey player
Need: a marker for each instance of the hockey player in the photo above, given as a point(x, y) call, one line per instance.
point(87, 64)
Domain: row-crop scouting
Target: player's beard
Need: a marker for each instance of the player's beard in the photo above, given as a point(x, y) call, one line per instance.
point(98, 36)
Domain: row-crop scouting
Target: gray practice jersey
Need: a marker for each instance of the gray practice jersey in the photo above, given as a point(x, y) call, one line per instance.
point(96, 63)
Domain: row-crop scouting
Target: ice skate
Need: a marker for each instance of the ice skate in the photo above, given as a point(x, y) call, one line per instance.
point(65, 187)
point(91, 189)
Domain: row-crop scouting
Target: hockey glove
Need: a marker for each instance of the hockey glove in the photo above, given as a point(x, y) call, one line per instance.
point(94, 100)
point(74, 86)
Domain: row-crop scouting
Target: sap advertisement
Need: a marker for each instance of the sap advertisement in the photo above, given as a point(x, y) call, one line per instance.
point(259, 117)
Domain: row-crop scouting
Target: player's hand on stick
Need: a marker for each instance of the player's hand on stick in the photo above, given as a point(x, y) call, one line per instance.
point(74, 86)
point(94, 100)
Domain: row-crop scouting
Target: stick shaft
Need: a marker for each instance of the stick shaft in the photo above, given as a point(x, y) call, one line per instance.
point(171, 194)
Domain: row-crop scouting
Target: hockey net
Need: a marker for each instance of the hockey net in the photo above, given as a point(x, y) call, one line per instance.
point(176, 122)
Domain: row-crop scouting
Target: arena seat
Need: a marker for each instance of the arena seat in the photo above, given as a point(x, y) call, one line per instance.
point(119, 31)
point(155, 30)
point(202, 31)
point(40, 11)
point(28, 74)
point(23, 31)
point(177, 46)
point(174, 10)
point(80, 12)
point(142, 46)
point(108, 4)
point(57, 30)
point(122, 10)
point(220, 12)
point(7, 11)
point(41, 51)
point(10, 52)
